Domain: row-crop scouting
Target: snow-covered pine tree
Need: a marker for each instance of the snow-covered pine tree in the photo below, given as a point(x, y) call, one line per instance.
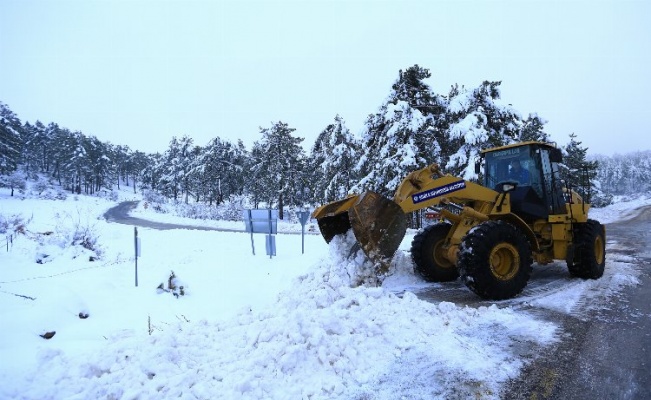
point(580, 173)
point(74, 161)
point(240, 157)
point(62, 149)
point(56, 149)
point(398, 137)
point(533, 129)
point(184, 164)
point(193, 181)
point(624, 174)
point(477, 121)
point(255, 187)
point(10, 140)
point(176, 170)
point(152, 172)
point(120, 155)
point(638, 175)
point(332, 162)
point(220, 166)
point(34, 148)
point(99, 166)
point(278, 164)
point(136, 164)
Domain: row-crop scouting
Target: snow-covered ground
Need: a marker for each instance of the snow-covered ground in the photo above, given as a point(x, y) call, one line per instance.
point(245, 326)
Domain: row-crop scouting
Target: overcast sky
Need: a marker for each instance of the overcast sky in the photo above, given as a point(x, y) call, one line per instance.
point(140, 72)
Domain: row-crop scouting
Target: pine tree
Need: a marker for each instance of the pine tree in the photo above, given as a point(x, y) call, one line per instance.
point(220, 166)
point(255, 186)
point(391, 150)
point(120, 155)
point(400, 137)
point(99, 165)
point(35, 145)
point(153, 171)
point(278, 164)
point(332, 162)
point(10, 140)
point(580, 173)
point(61, 149)
point(411, 88)
point(177, 171)
point(76, 165)
point(137, 163)
point(477, 121)
point(533, 129)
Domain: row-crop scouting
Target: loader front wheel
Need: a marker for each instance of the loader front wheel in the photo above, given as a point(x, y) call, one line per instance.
point(589, 251)
point(495, 260)
point(429, 256)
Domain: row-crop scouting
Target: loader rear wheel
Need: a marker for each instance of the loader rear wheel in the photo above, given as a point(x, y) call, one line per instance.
point(428, 254)
point(589, 251)
point(495, 260)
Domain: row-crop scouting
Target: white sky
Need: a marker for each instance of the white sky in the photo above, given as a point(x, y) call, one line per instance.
point(140, 72)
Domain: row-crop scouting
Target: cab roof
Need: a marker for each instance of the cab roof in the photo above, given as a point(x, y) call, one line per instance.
point(520, 144)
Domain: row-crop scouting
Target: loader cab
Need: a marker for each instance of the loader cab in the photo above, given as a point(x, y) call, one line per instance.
point(529, 171)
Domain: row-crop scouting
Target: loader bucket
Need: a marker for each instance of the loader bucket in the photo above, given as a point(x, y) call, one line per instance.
point(333, 217)
point(378, 223)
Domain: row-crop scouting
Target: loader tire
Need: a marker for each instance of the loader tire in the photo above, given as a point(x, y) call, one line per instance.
point(495, 260)
point(428, 255)
point(589, 251)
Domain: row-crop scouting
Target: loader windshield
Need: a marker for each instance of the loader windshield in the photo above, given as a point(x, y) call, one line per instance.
point(511, 164)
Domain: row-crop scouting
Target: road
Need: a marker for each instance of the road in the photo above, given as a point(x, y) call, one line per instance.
point(605, 348)
point(120, 214)
point(606, 353)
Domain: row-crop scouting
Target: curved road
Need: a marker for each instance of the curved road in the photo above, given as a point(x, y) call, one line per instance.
point(120, 215)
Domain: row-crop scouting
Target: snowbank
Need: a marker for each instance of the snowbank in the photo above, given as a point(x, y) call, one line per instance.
point(250, 327)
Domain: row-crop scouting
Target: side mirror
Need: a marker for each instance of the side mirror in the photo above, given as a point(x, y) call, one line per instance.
point(477, 167)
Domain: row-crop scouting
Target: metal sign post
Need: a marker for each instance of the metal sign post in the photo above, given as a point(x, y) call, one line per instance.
point(250, 229)
point(135, 243)
point(271, 240)
point(303, 216)
point(262, 221)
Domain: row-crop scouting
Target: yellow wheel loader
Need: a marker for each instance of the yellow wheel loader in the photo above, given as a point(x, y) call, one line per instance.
point(489, 234)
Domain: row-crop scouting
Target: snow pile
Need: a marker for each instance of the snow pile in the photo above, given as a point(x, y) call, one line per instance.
point(622, 209)
point(325, 338)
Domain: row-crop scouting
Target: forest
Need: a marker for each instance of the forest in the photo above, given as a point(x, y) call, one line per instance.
point(412, 127)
